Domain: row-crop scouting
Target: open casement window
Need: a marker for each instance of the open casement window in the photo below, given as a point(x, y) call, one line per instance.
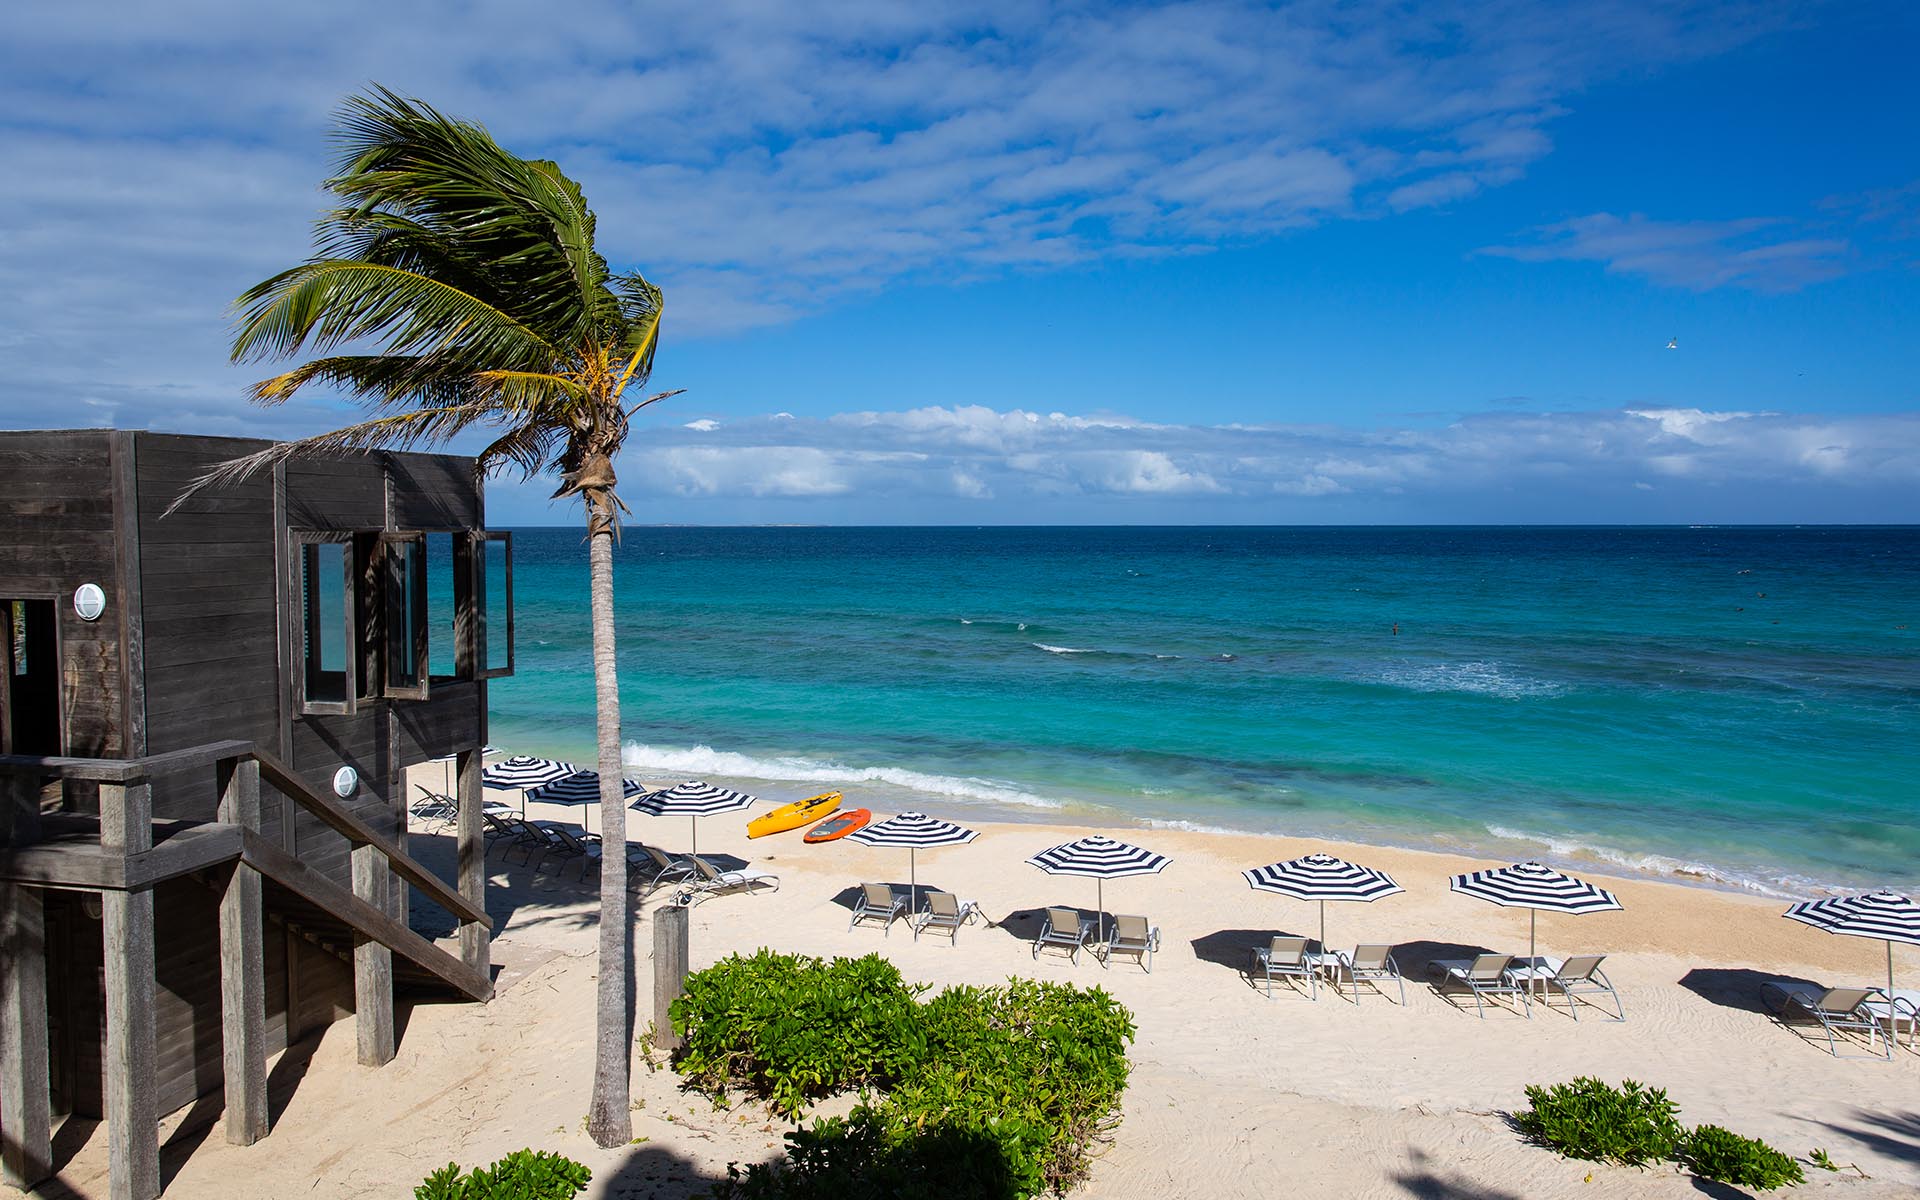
point(326, 621)
point(484, 600)
point(402, 571)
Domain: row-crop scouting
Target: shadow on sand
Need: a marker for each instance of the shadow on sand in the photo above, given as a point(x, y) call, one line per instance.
point(1429, 1182)
point(1734, 987)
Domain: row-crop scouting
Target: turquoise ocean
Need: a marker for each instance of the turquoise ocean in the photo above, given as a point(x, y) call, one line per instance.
point(1728, 706)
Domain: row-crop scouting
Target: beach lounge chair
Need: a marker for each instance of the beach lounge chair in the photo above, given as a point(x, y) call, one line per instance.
point(495, 827)
point(1131, 935)
point(1898, 1010)
point(1367, 964)
point(434, 810)
point(531, 839)
point(711, 881)
point(654, 867)
point(1285, 958)
point(1573, 978)
point(946, 913)
point(878, 903)
point(1488, 976)
point(1063, 929)
point(1844, 1013)
point(572, 845)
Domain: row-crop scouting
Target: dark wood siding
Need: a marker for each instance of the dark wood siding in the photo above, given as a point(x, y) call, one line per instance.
point(208, 607)
point(434, 491)
point(56, 533)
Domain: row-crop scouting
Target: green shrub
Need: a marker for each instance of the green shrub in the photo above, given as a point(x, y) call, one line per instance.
point(1714, 1153)
point(790, 1028)
point(522, 1175)
point(1592, 1120)
point(979, 1092)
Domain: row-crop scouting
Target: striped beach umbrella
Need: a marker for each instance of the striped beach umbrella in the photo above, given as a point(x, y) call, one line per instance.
point(1322, 877)
point(486, 751)
point(581, 789)
point(1532, 886)
point(1101, 858)
point(523, 771)
point(914, 831)
point(692, 799)
point(1885, 914)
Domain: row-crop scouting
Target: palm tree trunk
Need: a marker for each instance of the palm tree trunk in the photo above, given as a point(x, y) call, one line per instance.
point(610, 1120)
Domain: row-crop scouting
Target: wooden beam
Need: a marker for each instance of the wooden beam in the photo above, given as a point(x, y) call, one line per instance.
point(342, 821)
point(372, 964)
point(105, 770)
point(310, 885)
point(670, 924)
point(19, 804)
point(132, 1080)
point(243, 982)
point(471, 851)
point(126, 596)
point(66, 863)
point(26, 1116)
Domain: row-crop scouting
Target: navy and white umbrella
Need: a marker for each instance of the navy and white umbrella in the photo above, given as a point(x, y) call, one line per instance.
point(1532, 886)
point(692, 799)
point(582, 788)
point(1885, 914)
point(1322, 877)
point(915, 831)
point(1101, 858)
point(450, 759)
point(522, 771)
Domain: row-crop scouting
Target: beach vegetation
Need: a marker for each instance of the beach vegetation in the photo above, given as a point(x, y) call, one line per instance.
point(522, 1175)
point(1715, 1153)
point(456, 289)
point(975, 1092)
point(1593, 1120)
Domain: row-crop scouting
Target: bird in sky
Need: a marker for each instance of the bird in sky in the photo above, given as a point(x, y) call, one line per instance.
point(1673, 343)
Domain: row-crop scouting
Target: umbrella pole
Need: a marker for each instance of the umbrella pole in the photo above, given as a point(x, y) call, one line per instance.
point(1100, 909)
point(1889, 972)
point(1533, 929)
point(1323, 927)
point(695, 822)
point(913, 882)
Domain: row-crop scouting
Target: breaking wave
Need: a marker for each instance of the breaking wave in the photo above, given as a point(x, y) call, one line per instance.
point(1478, 678)
point(701, 761)
point(1574, 850)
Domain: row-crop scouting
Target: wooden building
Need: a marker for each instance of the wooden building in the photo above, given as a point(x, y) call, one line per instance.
point(204, 722)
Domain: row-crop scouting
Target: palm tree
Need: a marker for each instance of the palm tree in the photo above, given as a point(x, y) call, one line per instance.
point(470, 277)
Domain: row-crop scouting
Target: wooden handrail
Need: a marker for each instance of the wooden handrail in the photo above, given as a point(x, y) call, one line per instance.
point(333, 815)
point(360, 833)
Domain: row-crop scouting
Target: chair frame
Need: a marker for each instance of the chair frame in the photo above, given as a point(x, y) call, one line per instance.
point(1285, 958)
point(1840, 1024)
point(1140, 939)
point(866, 908)
point(1050, 935)
point(948, 923)
point(1371, 971)
point(713, 882)
point(1589, 980)
point(666, 868)
point(1486, 981)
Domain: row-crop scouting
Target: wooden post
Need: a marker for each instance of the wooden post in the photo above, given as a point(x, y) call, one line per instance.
point(372, 965)
point(670, 925)
point(243, 983)
point(471, 847)
point(132, 1084)
point(26, 1117)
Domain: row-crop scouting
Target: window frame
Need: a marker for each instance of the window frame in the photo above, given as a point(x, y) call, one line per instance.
point(305, 544)
point(482, 630)
point(393, 612)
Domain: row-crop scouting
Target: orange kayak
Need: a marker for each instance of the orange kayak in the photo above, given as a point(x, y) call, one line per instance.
point(839, 825)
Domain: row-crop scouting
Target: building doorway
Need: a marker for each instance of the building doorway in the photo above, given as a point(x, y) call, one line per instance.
point(29, 678)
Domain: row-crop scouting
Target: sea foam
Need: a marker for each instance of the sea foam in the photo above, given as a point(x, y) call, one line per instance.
point(1478, 678)
point(699, 761)
point(1573, 850)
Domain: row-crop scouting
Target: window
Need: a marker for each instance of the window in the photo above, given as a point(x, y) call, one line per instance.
point(405, 668)
point(493, 614)
point(326, 637)
point(30, 679)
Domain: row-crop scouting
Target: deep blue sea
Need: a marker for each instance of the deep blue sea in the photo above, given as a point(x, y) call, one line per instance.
point(1738, 706)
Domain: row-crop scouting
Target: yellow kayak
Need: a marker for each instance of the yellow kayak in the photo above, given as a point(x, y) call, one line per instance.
point(793, 816)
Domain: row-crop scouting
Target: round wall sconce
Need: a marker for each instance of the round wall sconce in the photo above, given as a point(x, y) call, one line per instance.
point(89, 601)
point(344, 781)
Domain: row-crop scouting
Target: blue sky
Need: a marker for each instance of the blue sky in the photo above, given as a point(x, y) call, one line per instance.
point(989, 262)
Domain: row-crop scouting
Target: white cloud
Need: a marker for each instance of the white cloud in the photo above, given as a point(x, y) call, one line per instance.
point(1020, 463)
point(1760, 254)
point(759, 159)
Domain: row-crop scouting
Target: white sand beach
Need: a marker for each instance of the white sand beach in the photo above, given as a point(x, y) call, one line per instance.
point(1232, 1093)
